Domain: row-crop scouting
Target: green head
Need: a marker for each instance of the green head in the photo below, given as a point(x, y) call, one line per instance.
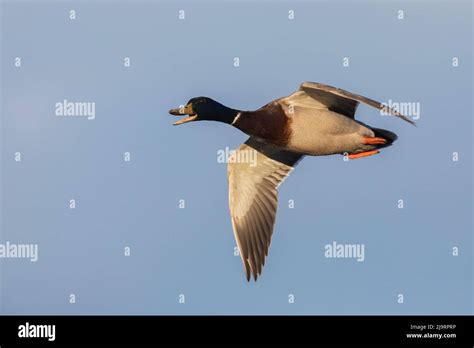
point(204, 109)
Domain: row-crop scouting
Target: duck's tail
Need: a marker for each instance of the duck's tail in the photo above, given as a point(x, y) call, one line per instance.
point(382, 138)
point(389, 137)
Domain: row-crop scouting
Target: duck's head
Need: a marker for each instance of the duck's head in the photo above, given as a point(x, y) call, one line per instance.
point(204, 109)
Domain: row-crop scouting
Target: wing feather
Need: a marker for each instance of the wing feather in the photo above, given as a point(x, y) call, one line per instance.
point(344, 102)
point(253, 199)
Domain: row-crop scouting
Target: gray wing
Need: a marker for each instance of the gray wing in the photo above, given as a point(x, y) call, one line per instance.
point(253, 197)
point(344, 102)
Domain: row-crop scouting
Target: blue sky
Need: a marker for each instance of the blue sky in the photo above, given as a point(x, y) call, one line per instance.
point(190, 251)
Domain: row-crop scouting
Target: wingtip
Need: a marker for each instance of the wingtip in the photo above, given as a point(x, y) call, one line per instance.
point(251, 275)
point(413, 123)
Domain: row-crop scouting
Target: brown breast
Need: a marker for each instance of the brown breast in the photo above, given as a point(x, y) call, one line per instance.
point(269, 123)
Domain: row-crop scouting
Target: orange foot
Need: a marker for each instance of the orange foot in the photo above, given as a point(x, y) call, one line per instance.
point(363, 154)
point(373, 141)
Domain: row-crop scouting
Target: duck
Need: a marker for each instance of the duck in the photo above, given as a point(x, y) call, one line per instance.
point(316, 120)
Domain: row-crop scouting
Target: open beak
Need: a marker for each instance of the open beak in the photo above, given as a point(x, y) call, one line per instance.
point(187, 110)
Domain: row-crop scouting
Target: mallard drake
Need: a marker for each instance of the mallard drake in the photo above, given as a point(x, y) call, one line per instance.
point(316, 120)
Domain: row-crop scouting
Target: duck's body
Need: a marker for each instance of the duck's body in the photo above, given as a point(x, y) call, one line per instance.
point(317, 120)
point(309, 131)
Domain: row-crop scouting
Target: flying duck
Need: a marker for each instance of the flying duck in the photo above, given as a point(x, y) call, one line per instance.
point(316, 120)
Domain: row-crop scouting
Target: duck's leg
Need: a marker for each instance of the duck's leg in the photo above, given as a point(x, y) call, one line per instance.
point(363, 154)
point(373, 141)
point(369, 141)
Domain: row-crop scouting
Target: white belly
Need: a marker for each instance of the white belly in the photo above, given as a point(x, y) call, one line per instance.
point(323, 132)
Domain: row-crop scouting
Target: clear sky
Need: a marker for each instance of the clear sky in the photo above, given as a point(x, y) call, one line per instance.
point(190, 251)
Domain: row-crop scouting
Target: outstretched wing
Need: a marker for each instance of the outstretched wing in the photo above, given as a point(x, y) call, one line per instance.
point(255, 170)
point(343, 102)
